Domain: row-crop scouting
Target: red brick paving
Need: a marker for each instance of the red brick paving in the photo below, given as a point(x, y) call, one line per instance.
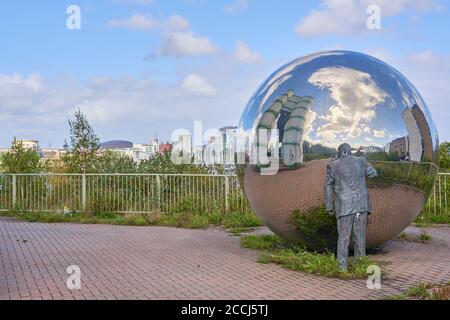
point(119, 262)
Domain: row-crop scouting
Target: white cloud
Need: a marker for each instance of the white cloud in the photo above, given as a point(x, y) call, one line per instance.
point(177, 23)
point(243, 54)
point(429, 72)
point(141, 2)
point(33, 82)
point(336, 17)
point(355, 94)
point(197, 86)
point(380, 53)
point(17, 92)
point(137, 21)
point(177, 37)
point(426, 57)
point(237, 6)
point(379, 133)
point(125, 107)
point(182, 44)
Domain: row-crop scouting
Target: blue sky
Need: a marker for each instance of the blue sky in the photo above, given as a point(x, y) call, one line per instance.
point(137, 67)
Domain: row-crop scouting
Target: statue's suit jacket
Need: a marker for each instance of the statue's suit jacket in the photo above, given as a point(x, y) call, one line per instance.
point(345, 186)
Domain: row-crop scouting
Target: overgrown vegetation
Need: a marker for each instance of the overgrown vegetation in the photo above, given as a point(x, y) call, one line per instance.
point(423, 237)
point(263, 242)
point(444, 156)
point(424, 291)
point(430, 218)
point(108, 193)
point(418, 175)
point(316, 228)
point(297, 258)
point(179, 220)
point(21, 160)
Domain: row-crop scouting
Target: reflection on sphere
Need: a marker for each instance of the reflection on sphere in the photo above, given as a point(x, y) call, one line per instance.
point(303, 112)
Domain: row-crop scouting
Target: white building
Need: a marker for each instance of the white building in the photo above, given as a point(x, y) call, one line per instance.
point(30, 144)
point(139, 151)
point(414, 145)
point(52, 154)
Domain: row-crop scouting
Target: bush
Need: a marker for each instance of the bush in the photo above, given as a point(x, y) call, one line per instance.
point(317, 229)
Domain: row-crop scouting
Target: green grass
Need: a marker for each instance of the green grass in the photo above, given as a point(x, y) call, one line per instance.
point(180, 220)
point(237, 220)
point(263, 242)
point(428, 218)
point(423, 237)
point(419, 175)
point(419, 291)
point(238, 231)
point(296, 258)
point(317, 229)
point(324, 264)
point(424, 291)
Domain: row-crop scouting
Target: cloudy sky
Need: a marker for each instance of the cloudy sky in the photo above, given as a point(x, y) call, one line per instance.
point(141, 67)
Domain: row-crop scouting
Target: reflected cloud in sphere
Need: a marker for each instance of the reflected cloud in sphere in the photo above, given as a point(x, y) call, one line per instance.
point(307, 109)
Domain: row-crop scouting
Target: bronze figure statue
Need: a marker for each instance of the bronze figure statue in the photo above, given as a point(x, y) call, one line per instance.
point(347, 197)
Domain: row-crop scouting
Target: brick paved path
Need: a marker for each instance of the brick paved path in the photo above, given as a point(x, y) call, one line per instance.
point(119, 262)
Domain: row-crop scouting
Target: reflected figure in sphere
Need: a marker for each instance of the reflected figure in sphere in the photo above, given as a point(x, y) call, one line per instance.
point(346, 195)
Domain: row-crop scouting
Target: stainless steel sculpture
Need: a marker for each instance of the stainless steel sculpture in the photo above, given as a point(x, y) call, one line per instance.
point(347, 198)
point(303, 112)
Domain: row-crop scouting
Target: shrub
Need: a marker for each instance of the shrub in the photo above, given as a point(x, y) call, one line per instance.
point(317, 229)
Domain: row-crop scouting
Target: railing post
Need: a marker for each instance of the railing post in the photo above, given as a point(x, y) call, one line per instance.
point(409, 171)
point(227, 192)
point(158, 186)
point(14, 190)
point(83, 192)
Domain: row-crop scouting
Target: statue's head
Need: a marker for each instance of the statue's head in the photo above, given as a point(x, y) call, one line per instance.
point(344, 150)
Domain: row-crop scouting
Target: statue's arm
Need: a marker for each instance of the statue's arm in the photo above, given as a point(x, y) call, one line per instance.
point(371, 171)
point(329, 193)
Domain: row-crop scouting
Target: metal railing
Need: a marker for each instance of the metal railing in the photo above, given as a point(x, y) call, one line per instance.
point(145, 193)
point(121, 193)
point(438, 202)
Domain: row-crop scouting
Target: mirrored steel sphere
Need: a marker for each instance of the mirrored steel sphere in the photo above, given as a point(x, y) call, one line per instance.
point(298, 117)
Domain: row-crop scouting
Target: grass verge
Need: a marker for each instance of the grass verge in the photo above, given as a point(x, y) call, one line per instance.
point(429, 218)
point(423, 291)
point(292, 257)
point(180, 220)
point(423, 237)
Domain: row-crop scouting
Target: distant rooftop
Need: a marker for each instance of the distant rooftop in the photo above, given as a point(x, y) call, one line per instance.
point(117, 144)
point(224, 129)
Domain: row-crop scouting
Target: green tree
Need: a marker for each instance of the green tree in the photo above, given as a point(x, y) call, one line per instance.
point(84, 146)
point(444, 156)
point(162, 163)
point(21, 160)
point(111, 162)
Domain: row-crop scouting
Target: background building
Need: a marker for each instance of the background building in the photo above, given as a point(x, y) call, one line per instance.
point(30, 144)
point(52, 154)
point(399, 147)
point(137, 151)
point(419, 141)
point(164, 148)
